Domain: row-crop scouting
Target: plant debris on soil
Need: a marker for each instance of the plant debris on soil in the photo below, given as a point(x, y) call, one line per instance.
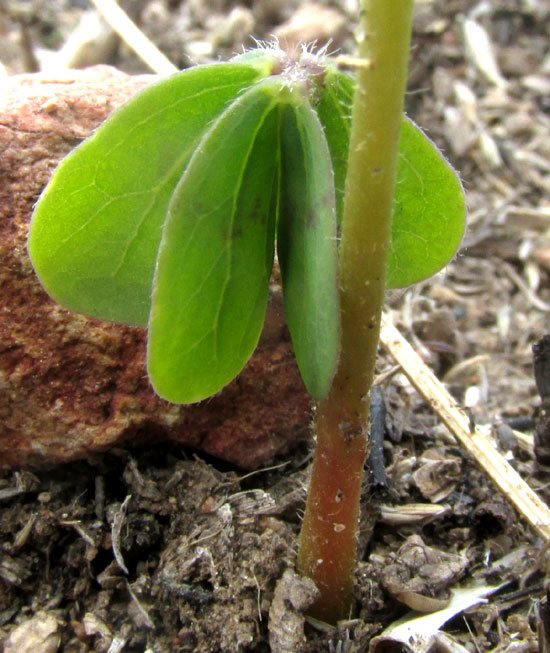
point(160, 549)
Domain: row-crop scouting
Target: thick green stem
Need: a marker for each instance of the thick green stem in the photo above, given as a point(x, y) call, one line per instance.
point(328, 540)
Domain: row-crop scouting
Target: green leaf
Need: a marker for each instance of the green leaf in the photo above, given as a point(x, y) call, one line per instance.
point(211, 283)
point(334, 110)
point(96, 229)
point(307, 246)
point(429, 207)
point(264, 59)
point(429, 213)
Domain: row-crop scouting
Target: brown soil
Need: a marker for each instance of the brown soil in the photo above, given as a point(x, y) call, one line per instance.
point(159, 549)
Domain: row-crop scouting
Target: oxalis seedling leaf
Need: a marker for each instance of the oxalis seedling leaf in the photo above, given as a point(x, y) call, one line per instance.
point(167, 216)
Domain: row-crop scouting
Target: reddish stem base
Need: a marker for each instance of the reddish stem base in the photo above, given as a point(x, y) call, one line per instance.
point(329, 532)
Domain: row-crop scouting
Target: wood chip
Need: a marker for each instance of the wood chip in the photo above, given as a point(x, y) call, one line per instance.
point(481, 52)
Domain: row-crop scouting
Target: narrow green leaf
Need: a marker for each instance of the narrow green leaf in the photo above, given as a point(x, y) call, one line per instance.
point(211, 283)
point(334, 110)
point(307, 246)
point(96, 229)
point(429, 207)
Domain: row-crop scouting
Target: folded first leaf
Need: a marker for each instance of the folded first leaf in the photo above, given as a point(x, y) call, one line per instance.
point(307, 246)
point(211, 283)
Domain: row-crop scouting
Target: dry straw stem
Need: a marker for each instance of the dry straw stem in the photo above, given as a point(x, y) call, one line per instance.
point(130, 33)
point(507, 480)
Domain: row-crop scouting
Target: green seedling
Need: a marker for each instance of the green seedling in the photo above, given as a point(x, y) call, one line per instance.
point(169, 215)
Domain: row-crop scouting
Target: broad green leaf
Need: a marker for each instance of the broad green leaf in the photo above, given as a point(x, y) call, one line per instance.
point(307, 246)
point(429, 212)
point(210, 288)
point(429, 207)
point(96, 229)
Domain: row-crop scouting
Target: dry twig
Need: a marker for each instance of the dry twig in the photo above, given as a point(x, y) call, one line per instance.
point(116, 528)
point(505, 477)
point(130, 33)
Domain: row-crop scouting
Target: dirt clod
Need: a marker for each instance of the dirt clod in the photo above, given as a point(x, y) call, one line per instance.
point(293, 595)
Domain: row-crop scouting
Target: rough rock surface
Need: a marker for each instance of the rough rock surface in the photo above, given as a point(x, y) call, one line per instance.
point(70, 385)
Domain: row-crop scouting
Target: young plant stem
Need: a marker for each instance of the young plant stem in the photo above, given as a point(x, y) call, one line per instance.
point(328, 540)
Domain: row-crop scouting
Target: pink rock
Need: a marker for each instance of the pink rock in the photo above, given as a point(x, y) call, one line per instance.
point(71, 386)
